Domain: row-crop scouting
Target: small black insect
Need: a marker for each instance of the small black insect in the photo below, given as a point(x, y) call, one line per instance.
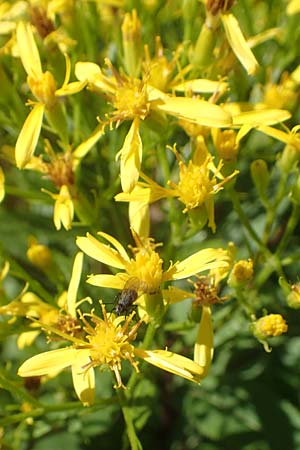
point(129, 295)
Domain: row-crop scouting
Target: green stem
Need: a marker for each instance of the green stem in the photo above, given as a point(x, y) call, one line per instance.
point(133, 439)
point(271, 212)
point(293, 220)
point(242, 216)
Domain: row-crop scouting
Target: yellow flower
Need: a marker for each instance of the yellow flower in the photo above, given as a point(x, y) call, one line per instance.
point(63, 208)
point(241, 274)
point(195, 189)
point(108, 342)
point(272, 325)
point(133, 99)
point(145, 269)
point(62, 315)
point(43, 87)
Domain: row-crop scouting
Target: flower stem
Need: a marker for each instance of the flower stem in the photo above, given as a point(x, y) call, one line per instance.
point(133, 439)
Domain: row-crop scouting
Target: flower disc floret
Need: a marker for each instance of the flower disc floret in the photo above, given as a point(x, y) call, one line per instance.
point(194, 185)
point(147, 267)
point(131, 100)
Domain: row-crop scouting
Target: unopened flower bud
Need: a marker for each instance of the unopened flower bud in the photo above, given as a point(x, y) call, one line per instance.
point(39, 255)
point(260, 176)
point(289, 157)
point(293, 298)
point(241, 273)
point(272, 325)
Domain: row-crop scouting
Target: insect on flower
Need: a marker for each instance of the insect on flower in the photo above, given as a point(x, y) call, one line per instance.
point(132, 290)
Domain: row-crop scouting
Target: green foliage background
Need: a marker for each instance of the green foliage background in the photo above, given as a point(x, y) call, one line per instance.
point(250, 400)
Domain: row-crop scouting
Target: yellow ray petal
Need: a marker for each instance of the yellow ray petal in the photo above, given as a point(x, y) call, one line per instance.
point(131, 157)
point(86, 71)
point(139, 217)
point(86, 145)
point(71, 88)
point(195, 110)
point(116, 244)
point(99, 251)
point(84, 381)
point(204, 347)
point(29, 135)
point(104, 280)
point(28, 50)
point(74, 284)
point(201, 85)
point(238, 43)
point(48, 362)
point(27, 338)
point(205, 259)
point(172, 362)
point(260, 117)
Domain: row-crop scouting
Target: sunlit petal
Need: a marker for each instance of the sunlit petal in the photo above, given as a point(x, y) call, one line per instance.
point(83, 380)
point(100, 252)
point(48, 362)
point(238, 43)
point(29, 135)
point(172, 362)
point(204, 349)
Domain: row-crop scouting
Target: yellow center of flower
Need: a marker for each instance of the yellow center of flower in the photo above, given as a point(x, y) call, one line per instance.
point(109, 341)
point(194, 185)
point(109, 345)
point(270, 326)
point(131, 100)
point(43, 88)
point(147, 268)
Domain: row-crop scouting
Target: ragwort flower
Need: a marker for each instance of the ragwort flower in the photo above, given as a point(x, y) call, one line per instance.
point(107, 343)
point(43, 86)
point(145, 267)
point(199, 181)
point(135, 99)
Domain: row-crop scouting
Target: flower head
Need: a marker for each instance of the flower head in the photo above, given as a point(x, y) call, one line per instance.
point(272, 325)
point(108, 342)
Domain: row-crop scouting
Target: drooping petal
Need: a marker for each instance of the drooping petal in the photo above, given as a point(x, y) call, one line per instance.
point(83, 380)
point(63, 209)
point(172, 362)
point(139, 218)
point(74, 284)
point(28, 50)
point(238, 43)
point(48, 362)
point(86, 145)
point(29, 135)
point(200, 261)
point(204, 346)
point(131, 157)
point(100, 252)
